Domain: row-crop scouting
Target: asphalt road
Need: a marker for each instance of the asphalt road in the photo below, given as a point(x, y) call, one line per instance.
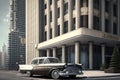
point(14, 75)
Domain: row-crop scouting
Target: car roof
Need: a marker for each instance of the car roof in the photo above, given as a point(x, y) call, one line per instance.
point(43, 58)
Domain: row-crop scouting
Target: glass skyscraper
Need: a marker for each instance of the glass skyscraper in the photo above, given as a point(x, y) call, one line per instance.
point(16, 49)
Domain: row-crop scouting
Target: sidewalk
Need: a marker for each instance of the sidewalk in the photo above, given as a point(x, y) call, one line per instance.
point(97, 73)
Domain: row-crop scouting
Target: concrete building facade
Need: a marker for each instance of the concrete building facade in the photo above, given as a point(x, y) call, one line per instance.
point(75, 31)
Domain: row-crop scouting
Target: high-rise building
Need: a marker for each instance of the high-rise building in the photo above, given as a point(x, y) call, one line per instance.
point(16, 49)
point(75, 31)
point(3, 56)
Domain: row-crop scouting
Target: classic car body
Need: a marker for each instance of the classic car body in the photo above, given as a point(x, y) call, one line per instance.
point(50, 66)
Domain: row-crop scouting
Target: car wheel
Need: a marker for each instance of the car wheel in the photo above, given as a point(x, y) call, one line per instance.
point(72, 76)
point(29, 74)
point(55, 74)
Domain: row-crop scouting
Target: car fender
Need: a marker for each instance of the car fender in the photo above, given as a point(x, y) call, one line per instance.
point(52, 70)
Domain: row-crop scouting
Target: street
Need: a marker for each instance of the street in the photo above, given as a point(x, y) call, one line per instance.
point(14, 75)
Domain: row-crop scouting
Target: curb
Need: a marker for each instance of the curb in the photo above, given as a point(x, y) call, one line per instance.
point(103, 76)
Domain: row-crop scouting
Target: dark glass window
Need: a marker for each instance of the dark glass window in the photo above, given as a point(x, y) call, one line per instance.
point(50, 16)
point(50, 33)
point(45, 19)
point(107, 26)
point(50, 2)
point(84, 3)
point(65, 8)
point(73, 4)
point(96, 4)
point(114, 28)
point(45, 6)
point(66, 27)
point(58, 13)
point(107, 6)
point(84, 21)
point(73, 26)
point(45, 36)
point(96, 23)
point(115, 10)
point(58, 30)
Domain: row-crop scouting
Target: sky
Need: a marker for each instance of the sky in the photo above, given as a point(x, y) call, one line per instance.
point(4, 22)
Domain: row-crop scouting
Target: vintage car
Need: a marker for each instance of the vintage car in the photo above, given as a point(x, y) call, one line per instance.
point(50, 66)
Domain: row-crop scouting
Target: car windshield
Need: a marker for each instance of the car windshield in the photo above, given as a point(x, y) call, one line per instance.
point(53, 60)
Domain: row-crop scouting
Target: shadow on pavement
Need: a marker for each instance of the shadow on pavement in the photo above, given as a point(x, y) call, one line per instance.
point(61, 78)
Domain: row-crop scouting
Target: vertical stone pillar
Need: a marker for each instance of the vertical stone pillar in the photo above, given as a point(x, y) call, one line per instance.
point(70, 15)
point(63, 53)
point(54, 52)
point(103, 53)
point(90, 55)
point(77, 2)
point(77, 52)
point(54, 17)
point(48, 52)
point(48, 19)
point(90, 14)
point(61, 16)
point(103, 15)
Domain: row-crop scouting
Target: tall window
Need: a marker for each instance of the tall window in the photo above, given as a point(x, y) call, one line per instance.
point(73, 4)
point(107, 27)
point(50, 2)
point(45, 36)
point(58, 30)
point(58, 12)
point(114, 28)
point(50, 33)
point(45, 19)
point(84, 3)
point(65, 8)
point(115, 10)
point(50, 16)
point(73, 26)
point(65, 26)
point(107, 6)
point(96, 4)
point(45, 6)
point(96, 23)
point(84, 21)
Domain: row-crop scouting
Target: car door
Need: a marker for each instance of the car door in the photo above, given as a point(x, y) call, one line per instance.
point(34, 63)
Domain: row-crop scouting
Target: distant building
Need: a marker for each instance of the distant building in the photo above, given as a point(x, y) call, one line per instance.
point(75, 31)
point(0, 60)
point(3, 56)
point(16, 49)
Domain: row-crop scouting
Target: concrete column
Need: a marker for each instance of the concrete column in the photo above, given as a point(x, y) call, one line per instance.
point(48, 52)
point(63, 53)
point(103, 53)
point(90, 14)
point(77, 2)
point(54, 52)
point(70, 15)
point(48, 19)
point(54, 17)
point(61, 16)
point(90, 55)
point(77, 52)
point(103, 15)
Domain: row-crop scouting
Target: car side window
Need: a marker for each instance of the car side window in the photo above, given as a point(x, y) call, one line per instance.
point(41, 61)
point(35, 62)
